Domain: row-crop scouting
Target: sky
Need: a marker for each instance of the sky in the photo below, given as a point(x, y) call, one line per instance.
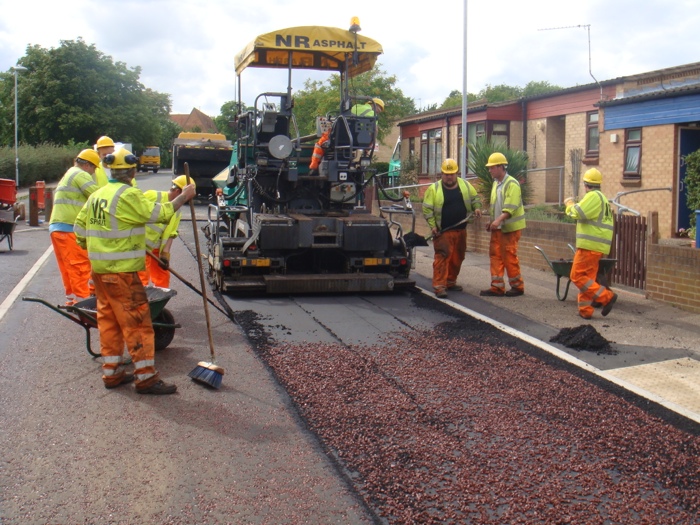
point(186, 48)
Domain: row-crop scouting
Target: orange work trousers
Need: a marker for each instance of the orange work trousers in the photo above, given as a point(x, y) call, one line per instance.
point(74, 265)
point(503, 256)
point(584, 271)
point(450, 247)
point(124, 316)
point(154, 273)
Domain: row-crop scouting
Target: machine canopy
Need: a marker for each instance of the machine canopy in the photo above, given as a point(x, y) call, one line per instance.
point(310, 47)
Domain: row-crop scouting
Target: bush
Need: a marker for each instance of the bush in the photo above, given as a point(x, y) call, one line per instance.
point(542, 212)
point(47, 162)
point(692, 184)
point(479, 153)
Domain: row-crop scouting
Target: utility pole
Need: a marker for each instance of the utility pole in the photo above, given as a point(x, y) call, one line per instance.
point(16, 70)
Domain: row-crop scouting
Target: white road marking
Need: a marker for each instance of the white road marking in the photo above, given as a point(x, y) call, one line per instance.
point(9, 301)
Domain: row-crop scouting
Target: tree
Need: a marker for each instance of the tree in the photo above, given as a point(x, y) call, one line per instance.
point(321, 98)
point(499, 93)
point(539, 88)
point(454, 99)
point(75, 92)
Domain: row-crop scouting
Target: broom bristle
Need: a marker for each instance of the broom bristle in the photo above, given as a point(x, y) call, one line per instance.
point(207, 374)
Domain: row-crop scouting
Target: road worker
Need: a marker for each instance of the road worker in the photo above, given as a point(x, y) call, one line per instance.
point(159, 237)
point(446, 207)
point(111, 226)
point(319, 149)
point(72, 191)
point(507, 220)
point(104, 146)
point(594, 233)
point(368, 109)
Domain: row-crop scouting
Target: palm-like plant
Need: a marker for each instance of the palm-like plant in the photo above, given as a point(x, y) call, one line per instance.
point(479, 153)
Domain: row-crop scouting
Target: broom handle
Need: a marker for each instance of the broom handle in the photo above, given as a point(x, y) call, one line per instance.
point(201, 269)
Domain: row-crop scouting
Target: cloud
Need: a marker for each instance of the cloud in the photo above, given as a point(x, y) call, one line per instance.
point(186, 47)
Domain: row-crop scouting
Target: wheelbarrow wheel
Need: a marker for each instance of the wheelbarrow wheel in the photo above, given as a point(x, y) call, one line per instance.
point(164, 334)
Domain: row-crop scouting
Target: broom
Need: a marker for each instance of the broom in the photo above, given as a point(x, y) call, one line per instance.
point(206, 372)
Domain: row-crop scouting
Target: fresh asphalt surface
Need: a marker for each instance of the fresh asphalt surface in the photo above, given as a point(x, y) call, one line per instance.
point(75, 451)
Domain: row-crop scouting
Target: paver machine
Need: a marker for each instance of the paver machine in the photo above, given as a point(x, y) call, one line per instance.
point(277, 225)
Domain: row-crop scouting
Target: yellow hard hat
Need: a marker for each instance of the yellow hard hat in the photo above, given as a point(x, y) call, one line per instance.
point(379, 102)
point(90, 156)
point(121, 159)
point(104, 142)
point(449, 166)
point(496, 159)
point(181, 181)
point(593, 177)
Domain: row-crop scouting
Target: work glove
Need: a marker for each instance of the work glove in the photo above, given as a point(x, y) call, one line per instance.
point(164, 261)
point(569, 201)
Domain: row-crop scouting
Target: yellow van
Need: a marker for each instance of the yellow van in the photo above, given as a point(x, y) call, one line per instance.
point(150, 159)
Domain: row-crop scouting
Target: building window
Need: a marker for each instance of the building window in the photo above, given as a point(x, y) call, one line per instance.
point(592, 134)
point(431, 151)
point(411, 147)
point(475, 131)
point(633, 153)
point(499, 133)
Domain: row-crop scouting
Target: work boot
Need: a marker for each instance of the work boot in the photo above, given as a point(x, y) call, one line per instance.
point(490, 293)
point(441, 294)
point(455, 288)
point(608, 307)
point(514, 293)
point(159, 388)
point(128, 377)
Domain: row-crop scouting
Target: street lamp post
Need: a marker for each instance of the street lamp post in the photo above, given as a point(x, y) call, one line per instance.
point(16, 70)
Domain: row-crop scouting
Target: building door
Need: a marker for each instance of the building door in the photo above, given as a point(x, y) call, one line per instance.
point(689, 142)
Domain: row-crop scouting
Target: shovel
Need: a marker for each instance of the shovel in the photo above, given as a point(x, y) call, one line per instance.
point(414, 239)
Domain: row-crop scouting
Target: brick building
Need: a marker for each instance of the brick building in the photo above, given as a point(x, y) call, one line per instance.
point(635, 129)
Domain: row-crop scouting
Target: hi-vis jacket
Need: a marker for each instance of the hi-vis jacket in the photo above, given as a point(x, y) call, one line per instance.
point(434, 199)
point(594, 222)
point(72, 193)
point(362, 110)
point(112, 226)
point(158, 233)
point(512, 203)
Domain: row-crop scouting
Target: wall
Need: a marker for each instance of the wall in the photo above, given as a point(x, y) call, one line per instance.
point(673, 276)
point(658, 171)
point(673, 272)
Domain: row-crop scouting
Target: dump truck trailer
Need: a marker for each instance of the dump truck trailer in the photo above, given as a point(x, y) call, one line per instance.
point(206, 154)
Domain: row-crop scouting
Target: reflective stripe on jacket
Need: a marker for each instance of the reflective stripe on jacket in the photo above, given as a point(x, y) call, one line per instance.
point(72, 193)
point(434, 199)
point(112, 226)
point(594, 222)
point(512, 204)
point(158, 233)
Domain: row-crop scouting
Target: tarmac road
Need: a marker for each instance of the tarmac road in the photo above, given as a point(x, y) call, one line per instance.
point(75, 452)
